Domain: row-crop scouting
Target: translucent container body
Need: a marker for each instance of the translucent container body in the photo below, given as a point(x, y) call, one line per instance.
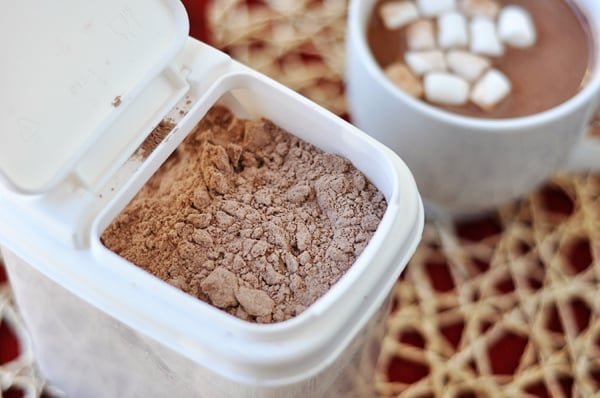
point(101, 326)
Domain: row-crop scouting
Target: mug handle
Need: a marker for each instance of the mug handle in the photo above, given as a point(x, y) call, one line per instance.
point(586, 153)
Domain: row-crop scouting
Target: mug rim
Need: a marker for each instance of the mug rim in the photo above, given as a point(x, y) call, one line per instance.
point(358, 23)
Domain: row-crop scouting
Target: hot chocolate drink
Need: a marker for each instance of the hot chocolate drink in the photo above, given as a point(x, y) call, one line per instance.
point(546, 72)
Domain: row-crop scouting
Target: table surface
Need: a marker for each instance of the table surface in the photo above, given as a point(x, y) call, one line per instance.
point(503, 305)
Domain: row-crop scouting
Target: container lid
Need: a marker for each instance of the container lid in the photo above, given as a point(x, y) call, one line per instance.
point(67, 66)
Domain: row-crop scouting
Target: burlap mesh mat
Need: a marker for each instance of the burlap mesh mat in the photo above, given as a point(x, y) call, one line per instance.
point(504, 306)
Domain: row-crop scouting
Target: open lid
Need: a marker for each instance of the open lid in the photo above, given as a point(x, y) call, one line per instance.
point(65, 66)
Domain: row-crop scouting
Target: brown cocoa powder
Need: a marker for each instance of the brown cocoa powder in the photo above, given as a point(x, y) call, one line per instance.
point(249, 218)
point(156, 136)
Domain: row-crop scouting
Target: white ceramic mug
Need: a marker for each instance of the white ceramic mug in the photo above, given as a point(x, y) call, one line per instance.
point(465, 165)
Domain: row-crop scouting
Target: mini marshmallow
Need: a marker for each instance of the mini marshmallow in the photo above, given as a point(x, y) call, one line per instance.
point(445, 88)
point(466, 65)
point(492, 88)
point(421, 62)
point(515, 27)
point(433, 8)
point(452, 30)
point(484, 39)
point(398, 13)
point(402, 77)
point(479, 8)
point(420, 35)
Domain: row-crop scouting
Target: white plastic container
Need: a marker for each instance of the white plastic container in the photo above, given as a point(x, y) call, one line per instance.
point(83, 91)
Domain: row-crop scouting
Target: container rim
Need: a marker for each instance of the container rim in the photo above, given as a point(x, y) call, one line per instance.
point(309, 338)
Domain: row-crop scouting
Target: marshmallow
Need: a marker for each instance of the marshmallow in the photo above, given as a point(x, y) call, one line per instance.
point(466, 65)
point(421, 62)
point(452, 30)
point(479, 8)
point(515, 27)
point(445, 88)
point(420, 35)
point(402, 77)
point(433, 8)
point(484, 39)
point(492, 88)
point(398, 13)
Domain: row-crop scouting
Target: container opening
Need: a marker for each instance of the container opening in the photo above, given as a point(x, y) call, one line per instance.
point(247, 216)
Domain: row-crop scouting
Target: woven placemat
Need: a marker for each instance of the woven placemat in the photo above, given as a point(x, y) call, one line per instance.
point(503, 306)
point(299, 43)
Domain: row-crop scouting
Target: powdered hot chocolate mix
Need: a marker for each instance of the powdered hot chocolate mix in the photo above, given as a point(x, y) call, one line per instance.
point(249, 218)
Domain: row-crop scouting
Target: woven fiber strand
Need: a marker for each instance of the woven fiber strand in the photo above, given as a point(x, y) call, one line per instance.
point(504, 306)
